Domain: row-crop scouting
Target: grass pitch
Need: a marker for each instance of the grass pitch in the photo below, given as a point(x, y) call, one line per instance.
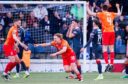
point(59, 78)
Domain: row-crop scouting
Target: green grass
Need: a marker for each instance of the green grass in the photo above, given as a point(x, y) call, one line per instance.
point(59, 78)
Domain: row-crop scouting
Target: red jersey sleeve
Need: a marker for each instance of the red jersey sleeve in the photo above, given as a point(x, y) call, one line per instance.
point(52, 43)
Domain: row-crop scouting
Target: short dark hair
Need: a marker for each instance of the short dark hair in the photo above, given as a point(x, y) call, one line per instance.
point(97, 22)
point(75, 20)
point(15, 20)
point(105, 7)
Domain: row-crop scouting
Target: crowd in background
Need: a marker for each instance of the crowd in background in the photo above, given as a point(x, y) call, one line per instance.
point(42, 21)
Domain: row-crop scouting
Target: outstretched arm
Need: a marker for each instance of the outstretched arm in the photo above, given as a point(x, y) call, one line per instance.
point(43, 44)
point(89, 11)
point(118, 10)
point(90, 40)
point(59, 52)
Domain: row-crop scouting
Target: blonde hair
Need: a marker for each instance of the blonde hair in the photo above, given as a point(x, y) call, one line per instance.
point(59, 35)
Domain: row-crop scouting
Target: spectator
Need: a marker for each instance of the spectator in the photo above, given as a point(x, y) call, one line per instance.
point(64, 30)
point(121, 22)
point(68, 18)
point(126, 34)
point(118, 31)
point(47, 36)
point(1, 34)
point(37, 33)
point(27, 34)
point(40, 12)
point(35, 25)
point(25, 6)
point(21, 16)
point(56, 23)
point(77, 11)
point(8, 22)
point(8, 19)
point(31, 19)
point(2, 21)
point(14, 6)
point(45, 23)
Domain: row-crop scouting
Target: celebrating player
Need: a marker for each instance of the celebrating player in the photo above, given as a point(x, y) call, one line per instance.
point(10, 48)
point(95, 38)
point(108, 34)
point(68, 55)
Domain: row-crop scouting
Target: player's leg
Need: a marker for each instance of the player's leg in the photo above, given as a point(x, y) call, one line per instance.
point(98, 51)
point(73, 66)
point(111, 48)
point(78, 61)
point(13, 61)
point(18, 65)
point(105, 55)
point(99, 67)
point(112, 56)
point(26, 62)
point(67, 69)
point(10, 54)
point(126, 69)
point(105, 42)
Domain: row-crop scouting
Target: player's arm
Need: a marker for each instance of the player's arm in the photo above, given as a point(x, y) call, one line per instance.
point(59, 52)
point(118, 10)
point(89, 11)
point(18, 41)
point(67, 34)
point(43, 44)
point(71, 34)
point(89, 41)
point(16, 47)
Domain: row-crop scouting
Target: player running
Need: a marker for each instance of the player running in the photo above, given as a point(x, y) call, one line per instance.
point(95, 38)
point(10, 48)
point(68, 55)
point(108, 33)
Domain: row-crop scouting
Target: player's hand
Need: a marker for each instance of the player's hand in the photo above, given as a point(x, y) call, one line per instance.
point(24, 46)
point(87, 4)
point(36, 45)
point(53, 55)
point(117, 5)
point(2, 39)
point(82, 50)
point(126, 61)
point(17, 49)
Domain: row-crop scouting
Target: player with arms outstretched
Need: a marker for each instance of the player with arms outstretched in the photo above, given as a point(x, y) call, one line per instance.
point(68, 55)
point(11, 49)
point(108, 34)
